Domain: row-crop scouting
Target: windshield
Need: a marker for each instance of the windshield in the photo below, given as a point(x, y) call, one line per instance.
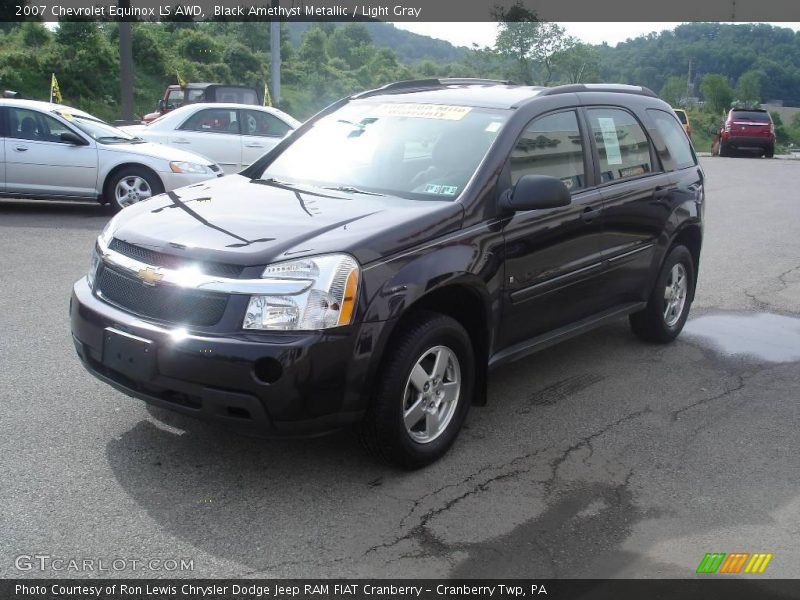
point(681, 116)
point(419, 151)
point(99, 131)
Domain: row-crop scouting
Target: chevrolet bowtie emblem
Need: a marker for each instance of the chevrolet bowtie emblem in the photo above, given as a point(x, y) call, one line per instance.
point(150, 276)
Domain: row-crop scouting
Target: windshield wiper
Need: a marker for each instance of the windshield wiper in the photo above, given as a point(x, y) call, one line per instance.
point(352, 190)
point(293, 187)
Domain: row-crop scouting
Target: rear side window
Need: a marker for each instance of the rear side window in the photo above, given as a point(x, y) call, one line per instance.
point(256, 122)
point(677, 150)
point(551, 145)
point(750, 115)
point(622, 144)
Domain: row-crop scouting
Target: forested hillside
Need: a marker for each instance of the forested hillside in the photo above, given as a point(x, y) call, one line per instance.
point(324, 61)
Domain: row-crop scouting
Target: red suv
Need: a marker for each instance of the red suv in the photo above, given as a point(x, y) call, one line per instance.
point(747, 129)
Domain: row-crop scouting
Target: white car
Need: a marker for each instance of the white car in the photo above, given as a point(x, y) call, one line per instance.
point(55, 152)
point(233, 135)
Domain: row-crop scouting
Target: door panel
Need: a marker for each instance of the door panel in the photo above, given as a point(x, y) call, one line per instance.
point(553, 257)
point(261, 131)
point(214, 133)
point(634, 210)
point(38, 164)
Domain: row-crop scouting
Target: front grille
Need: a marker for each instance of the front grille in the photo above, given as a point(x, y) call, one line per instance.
point(157, 259)
point(162, 302)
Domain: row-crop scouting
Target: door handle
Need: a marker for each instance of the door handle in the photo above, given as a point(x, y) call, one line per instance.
point(21, 148)
point(254, 145)
point(181, 141)
point(662, 191)
point(590, 214)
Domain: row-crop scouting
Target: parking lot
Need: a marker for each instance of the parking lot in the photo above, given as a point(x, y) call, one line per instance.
point(600, 457)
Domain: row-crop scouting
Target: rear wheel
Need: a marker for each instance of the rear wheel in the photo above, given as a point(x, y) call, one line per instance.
point(668, 306)
point(424, 392)
point(769, 151)
point(724, 149)
point(129, 186)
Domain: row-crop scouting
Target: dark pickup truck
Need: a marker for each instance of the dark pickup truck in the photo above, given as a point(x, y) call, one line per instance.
point(176, 96)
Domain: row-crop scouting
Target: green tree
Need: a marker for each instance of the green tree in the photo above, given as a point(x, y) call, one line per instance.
point(674, 90)
point(529, 42)
point(578, 64)
point(748, 89)
point(717, 92)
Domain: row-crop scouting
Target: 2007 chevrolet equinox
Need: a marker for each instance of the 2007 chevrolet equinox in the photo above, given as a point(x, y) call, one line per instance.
point(372, 267)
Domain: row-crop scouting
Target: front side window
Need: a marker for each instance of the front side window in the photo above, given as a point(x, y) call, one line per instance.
point(98, 130)
point(175, 99)
point(551, 145)
point(622, 144)
point(25, 124)
point(677, 150)
point(213, 120)
point(419, 151)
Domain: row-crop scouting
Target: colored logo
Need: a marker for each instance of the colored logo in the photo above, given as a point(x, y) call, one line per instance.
point(149, 276)
point(736, 562)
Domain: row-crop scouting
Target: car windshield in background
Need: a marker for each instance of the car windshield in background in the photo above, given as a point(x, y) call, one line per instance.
point(750, 115)
point(681, 116)
point(419, 151)
point(99, 131)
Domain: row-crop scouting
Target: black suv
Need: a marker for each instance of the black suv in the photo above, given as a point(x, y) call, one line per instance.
point(377, 263)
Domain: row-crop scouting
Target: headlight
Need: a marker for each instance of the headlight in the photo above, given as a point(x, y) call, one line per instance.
point(330, 300)
point(94, 263)
point(180, 166)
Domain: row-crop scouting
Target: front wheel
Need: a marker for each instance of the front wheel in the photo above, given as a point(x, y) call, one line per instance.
point(129, 186)
point(668, 306)
point(424, 392)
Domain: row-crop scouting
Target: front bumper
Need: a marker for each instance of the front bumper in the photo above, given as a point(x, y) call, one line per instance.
point(316, 379)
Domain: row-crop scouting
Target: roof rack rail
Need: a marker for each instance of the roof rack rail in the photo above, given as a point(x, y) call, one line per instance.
point(599, 87)
point(423, 84)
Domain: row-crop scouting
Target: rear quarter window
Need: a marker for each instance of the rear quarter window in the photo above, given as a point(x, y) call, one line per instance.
point(676, 150)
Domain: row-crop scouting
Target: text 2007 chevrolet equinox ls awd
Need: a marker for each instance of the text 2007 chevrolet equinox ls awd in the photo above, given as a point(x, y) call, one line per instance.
point(373, 266)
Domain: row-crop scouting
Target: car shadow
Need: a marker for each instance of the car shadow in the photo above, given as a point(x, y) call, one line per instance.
point(53, 214)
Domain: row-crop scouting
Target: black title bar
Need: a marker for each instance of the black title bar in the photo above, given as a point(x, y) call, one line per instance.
point(398, 10)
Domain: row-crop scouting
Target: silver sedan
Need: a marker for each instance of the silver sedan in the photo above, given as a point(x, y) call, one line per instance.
point(50, 151)
point(233, 135)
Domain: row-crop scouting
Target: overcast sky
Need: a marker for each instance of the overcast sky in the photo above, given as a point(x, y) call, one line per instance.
point(483, 34)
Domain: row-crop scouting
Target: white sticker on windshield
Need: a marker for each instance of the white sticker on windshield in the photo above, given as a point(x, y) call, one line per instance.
point(423, 111)
point(445, 190)
point(610, 140)
point(493, 126)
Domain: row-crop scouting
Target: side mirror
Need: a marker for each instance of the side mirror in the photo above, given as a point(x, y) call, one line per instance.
point(161, 105)
point(535, 192)
point(73, 138)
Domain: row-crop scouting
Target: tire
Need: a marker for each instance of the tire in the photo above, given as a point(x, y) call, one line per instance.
point(724, 149)
point(769, 151)
point(655, 323)
point(393, 432)
point(140, 184)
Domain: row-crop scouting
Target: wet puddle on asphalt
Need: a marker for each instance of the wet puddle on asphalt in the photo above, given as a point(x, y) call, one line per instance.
point(763, 336)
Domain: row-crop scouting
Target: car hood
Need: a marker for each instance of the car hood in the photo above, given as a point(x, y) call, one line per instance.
point(238, 221)
point(153, 150)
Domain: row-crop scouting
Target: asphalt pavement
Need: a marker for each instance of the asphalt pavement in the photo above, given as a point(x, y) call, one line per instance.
point(600, 457)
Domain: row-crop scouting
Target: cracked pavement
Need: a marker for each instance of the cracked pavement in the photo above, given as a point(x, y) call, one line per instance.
point(600, 457)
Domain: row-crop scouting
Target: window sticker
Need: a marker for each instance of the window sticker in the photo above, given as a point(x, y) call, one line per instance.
point(423, 111)
point(442, 190)
point(610, 140)
point(493, 126)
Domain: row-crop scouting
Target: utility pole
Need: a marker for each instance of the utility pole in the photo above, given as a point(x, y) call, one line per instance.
point(126, 64)
point(689, 80)
point(275, 53)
